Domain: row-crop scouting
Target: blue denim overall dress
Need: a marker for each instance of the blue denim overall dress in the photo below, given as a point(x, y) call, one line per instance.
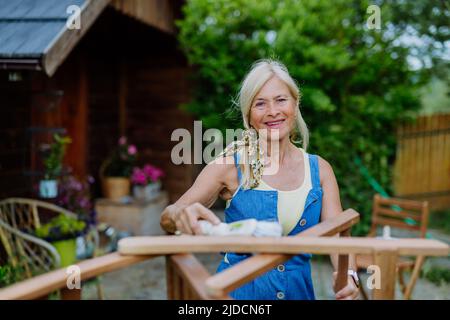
point(291, 280)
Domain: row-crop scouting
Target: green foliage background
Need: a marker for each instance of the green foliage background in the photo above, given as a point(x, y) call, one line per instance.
point(356, 84)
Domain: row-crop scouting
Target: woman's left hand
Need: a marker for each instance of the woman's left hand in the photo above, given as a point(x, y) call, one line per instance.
point(349, 292)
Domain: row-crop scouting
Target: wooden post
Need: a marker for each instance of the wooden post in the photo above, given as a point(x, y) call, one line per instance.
point(342, 276)
point(170, 277)
point(70, 294)
point(186, 291)
point(178, 286)
point(386, 260)
point(176, 282)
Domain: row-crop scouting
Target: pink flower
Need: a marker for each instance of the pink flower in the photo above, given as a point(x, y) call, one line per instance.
point(152, 172)
point(138, 177)
point(148, 169)
point(122, 140)
point(132, 149)
point(84, 203)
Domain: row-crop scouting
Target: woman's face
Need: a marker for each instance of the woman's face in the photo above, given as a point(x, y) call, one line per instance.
point(273, 109)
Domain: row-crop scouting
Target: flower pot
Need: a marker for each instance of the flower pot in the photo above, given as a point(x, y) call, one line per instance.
point(115, 187)
point(67, 250)
point(48, 188)
point(148, 192)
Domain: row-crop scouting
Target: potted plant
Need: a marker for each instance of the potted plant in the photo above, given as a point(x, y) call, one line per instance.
point(146, 182)
point(53, 163)
point(115, 171)
point(61, 232)
point(74, 195)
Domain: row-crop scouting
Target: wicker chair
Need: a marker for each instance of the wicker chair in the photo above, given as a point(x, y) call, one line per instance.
point(19, 218)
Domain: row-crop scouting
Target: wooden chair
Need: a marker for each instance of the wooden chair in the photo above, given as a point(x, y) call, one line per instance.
point(19, 218)
point(402, 214)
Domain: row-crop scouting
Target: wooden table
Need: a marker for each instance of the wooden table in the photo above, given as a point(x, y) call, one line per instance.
point(137, 217)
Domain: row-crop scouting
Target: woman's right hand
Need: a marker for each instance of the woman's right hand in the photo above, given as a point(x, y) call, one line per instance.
point(186, 218)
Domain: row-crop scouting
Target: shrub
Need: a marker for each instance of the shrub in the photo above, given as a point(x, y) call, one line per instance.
point(356, 83)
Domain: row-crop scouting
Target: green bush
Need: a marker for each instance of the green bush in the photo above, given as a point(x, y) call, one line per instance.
point(356, 84)
point(437, 275)
point(440, 219)
point(10, 275)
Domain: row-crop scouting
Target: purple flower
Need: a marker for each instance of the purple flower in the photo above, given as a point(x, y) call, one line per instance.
point(74, 195)
point(132, 149)
point(84, 203)
point(78, 186)
point(65, 200)
point(122, 140)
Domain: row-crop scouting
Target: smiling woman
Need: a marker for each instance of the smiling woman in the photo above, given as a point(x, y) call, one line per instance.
point(269, 90)
point(266, 177)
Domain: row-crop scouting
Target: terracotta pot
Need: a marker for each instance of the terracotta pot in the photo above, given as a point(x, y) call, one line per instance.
point(115, 187)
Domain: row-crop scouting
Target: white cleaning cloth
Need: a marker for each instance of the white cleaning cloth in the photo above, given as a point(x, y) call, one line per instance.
point(248, 227)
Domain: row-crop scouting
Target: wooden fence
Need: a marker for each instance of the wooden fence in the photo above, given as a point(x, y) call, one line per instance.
point(422, 168)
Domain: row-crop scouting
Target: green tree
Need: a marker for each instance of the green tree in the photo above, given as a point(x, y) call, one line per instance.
point(356, 83)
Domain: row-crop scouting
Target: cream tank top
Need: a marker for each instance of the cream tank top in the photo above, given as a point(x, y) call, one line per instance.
point(292, 202)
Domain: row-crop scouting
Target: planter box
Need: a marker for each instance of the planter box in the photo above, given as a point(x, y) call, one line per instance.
point(67, 250)
point(137, 217)
point(147, 193)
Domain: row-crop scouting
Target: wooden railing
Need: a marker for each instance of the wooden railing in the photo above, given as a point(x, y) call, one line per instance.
point(252, 267)
point(385, 253)
point(188, 279)
point(42, 285)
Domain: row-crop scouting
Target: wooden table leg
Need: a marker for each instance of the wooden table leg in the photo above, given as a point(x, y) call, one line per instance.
point(386, 260)
point(70, 294)
point(343, 261)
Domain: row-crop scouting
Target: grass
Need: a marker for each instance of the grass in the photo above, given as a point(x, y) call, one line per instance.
point(437, 275)
point(440, 220)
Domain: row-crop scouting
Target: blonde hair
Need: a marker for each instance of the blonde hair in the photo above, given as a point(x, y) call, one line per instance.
point(260, 72)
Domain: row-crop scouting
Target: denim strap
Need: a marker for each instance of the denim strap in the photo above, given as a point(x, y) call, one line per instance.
point(314, 167)
point(238, 167)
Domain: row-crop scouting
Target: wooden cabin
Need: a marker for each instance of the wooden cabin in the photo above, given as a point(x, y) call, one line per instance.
point(121, 73)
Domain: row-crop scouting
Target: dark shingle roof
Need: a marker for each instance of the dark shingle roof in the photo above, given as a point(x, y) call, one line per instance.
point(28, 27)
